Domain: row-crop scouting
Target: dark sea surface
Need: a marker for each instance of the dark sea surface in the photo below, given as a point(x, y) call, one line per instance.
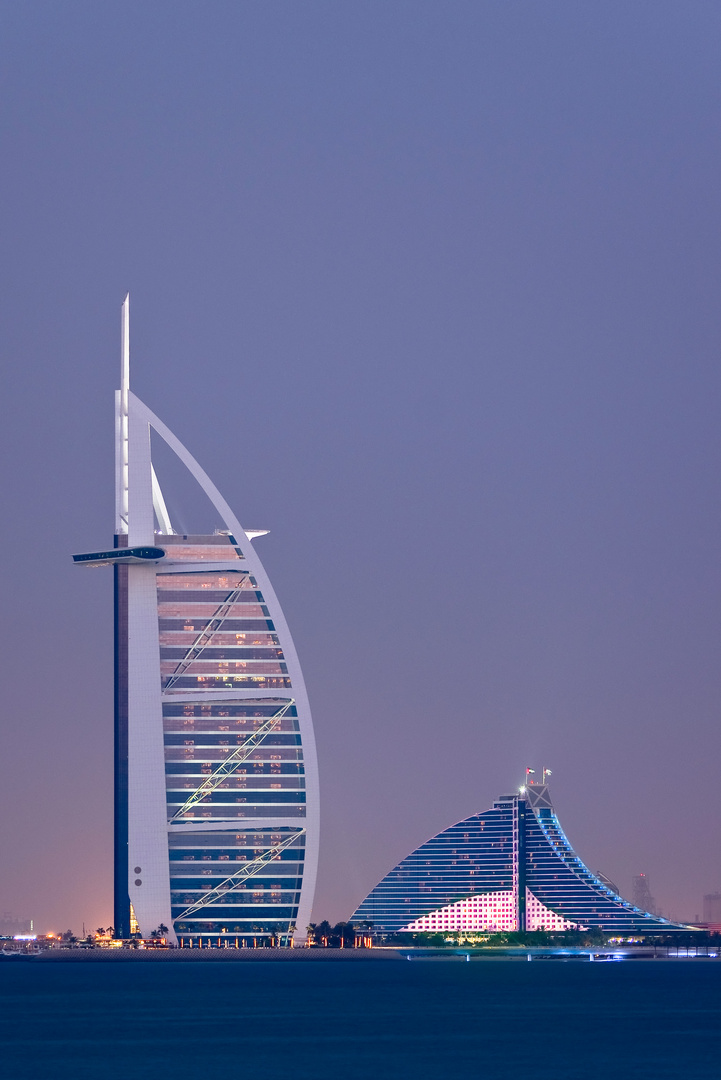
point(421, 1019)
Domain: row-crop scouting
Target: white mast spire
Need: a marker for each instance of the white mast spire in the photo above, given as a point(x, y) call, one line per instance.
point(121, 424)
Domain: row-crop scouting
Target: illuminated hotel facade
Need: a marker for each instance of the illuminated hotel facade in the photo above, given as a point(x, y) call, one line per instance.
point(216, 784)
point(510, 868)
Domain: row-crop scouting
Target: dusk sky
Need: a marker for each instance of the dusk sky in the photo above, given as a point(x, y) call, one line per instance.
point(431, 290)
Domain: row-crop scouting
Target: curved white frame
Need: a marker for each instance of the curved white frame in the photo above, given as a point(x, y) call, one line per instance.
point(138, 502)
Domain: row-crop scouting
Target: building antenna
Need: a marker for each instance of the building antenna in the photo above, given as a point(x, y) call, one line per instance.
point(121, 424)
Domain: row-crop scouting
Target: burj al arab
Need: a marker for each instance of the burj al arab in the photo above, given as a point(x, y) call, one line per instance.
point(216, 779)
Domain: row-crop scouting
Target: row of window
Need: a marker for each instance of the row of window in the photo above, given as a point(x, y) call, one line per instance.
point(218, 796)
point(233, 739)
point(222, 682)
point(238, 730)
point(187, 635)
point(200, 549)
point(218, 914)
point(172, 595)
point(288, 855)
point(255, 710)
point(248, 623)
point(202, 666)
point(201, 614)
point(249, 809)
point(223, 579)
point(175, 771)
point(212, 651)
point(212, 844)
point(181, 761)
point(192, 889)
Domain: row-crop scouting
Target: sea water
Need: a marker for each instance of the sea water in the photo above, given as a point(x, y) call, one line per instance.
point(492, 1019)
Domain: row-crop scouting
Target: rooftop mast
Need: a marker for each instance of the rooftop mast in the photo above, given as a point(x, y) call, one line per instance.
point(121, 424)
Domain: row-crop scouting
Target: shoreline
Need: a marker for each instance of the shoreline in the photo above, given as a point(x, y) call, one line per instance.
point(204, 955)
point(379, 954)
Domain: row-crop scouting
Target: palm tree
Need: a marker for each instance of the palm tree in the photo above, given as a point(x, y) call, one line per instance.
point(324, 931)
point(345, 931)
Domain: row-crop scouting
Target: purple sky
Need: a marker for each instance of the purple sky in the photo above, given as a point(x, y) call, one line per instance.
point(431, 291)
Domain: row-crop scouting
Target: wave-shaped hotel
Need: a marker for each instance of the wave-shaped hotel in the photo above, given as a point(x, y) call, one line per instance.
point(216, 786)
point(510, 868)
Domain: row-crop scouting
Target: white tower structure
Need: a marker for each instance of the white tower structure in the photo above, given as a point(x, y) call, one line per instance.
point(216, 781)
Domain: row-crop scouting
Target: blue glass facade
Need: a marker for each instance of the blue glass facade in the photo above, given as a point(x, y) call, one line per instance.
point(226, 758)
point(517, 849)
point(474, 856)
point(561, 881)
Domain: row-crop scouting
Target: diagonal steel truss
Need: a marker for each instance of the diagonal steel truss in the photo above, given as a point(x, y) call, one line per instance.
point(233, 761)
point(248, 871)
point(203, 639)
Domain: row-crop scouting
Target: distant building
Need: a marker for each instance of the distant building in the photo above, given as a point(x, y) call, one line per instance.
point(10, 925)
point(509, 868)
point(712, 908)
point(642, 894)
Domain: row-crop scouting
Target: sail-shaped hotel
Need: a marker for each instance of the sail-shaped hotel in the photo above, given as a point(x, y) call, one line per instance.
point(216, 785)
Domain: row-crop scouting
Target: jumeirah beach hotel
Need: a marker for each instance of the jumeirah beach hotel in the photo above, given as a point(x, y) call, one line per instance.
point(216, 785)
point(510, 868)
